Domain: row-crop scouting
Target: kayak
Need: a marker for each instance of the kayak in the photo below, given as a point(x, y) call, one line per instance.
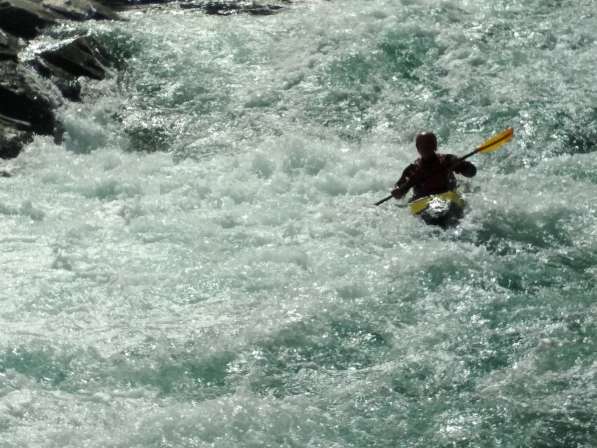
point(441, 209)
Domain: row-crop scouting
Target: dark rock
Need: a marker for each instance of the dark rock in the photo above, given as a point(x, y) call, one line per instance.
point(81, 56)
point(24, 18)
point(121, 5)
point(107, 9)
point(9, 46)
point(65, 61)
point(69, 86)
point(228, 8)
point(23, 98)
point(14, 123)
point(26, 102)
point(263, 10)
point(14, 134)
point(222, 8)
point(81, 9)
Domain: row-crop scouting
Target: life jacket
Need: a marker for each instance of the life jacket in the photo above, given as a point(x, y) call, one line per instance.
point(433, 177)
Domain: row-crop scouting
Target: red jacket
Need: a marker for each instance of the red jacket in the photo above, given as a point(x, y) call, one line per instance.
point(434, 176)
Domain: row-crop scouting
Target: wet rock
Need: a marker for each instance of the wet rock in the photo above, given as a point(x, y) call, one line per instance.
point(81, 9)
point(70, 88)
point(121, 5)
point(81, 56)
point(222, 8)
point(14, 135)
point(24, 18)
point(14, 123)
point(9, 46)
point(27, 101)
point(64, 62)
point(23, 98)
point(229, 8)
point(69, 85)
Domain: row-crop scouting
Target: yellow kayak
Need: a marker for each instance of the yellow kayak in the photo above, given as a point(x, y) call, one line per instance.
point(450, 200)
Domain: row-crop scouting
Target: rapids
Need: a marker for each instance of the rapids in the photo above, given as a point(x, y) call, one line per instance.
point(200, 264)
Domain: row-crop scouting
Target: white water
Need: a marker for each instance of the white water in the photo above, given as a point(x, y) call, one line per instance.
point(200, 264)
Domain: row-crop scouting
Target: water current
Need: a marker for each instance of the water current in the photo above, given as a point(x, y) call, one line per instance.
point(200, 263)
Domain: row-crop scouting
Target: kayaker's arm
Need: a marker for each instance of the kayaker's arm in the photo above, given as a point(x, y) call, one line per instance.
point(463, 167)
point(405, 182)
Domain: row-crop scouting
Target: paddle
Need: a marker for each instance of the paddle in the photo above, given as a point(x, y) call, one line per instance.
point(492, 144)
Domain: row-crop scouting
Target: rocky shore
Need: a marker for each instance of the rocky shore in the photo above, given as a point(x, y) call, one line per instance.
point(32, 88)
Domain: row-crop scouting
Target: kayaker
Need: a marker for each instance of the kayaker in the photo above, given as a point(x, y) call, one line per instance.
point(432, 173)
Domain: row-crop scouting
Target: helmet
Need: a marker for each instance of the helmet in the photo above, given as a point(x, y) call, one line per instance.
point(426, 141)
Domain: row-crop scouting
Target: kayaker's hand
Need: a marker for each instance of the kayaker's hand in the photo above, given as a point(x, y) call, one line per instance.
point(398, 193)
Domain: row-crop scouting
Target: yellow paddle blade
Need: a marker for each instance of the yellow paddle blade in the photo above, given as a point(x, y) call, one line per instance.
point(496, 141)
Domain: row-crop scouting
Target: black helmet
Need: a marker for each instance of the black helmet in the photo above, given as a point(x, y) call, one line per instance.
point(426, 140)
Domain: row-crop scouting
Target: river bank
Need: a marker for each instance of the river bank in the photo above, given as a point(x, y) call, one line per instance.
point(34, 86)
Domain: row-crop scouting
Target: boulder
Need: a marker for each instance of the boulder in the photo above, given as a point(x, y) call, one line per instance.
point(120, 5)
point(14, 123)
point(69, 85)
point(81, 9)
point(81, 56)
point(222, 8)
point(65, 61)
point(14, 135)
point(9, 46)
point(24, 18)
point(236, 7)
point(27, 101)
point(23, 98)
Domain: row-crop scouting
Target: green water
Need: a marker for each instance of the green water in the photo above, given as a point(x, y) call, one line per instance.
point(200, 263)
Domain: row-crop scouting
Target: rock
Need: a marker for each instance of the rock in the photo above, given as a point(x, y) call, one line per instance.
point(228, 8)
point(222, 8)
point(24, 18)
point(14, 134)
point(14, 123)
point(81, 56)
point(81, 9)
point(69, 86)
point(9, 46)
point(12, 141)
point(63, 62)
point(26, 102)
point(120, 5)
point(23, 98)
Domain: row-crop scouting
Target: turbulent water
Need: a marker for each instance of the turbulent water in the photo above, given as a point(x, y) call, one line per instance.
point(200, 264)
